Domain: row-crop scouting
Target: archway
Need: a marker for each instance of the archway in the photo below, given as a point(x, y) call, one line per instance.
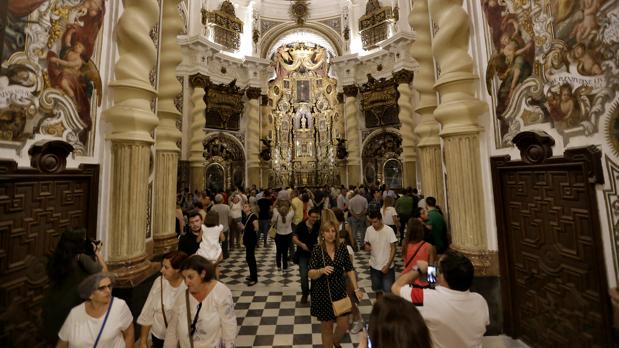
point(381, 158)
point(225, 162)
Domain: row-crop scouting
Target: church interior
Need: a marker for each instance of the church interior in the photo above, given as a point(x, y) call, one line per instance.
point(506, 111)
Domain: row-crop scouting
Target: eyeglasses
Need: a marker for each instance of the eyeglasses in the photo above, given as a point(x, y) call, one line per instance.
point(103, 287)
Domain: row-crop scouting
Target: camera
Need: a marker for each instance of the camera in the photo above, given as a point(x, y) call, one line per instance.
point(91, 246)
point(431, 277)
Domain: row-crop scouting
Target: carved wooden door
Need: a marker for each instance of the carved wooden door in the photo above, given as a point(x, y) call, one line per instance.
point(553, 274)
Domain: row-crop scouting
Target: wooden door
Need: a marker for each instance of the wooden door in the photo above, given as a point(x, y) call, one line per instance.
point(553, 275)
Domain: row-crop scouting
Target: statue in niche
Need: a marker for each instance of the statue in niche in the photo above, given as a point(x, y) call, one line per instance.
point(304, 121)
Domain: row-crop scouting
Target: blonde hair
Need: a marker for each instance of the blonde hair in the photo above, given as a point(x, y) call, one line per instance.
point(328, 216)
point(325, 226)
point(283, 207)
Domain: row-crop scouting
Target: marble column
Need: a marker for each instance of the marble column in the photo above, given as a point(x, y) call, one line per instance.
point(458, 113)
point(252, 140)
point(198, 122)
point(166, 134)
point(409, 155)
point(340, 125)
point(131, 122)
point(429, 142)
point(353, 143)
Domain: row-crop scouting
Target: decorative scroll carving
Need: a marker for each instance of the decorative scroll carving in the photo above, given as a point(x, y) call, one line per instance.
point(224, 106)
point(50, 157)
point(379, 102)
point(225, 27)
point(299, 10)
point(535, 147)
point(374, 24)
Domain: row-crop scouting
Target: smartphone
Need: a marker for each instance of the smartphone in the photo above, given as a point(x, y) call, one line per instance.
point(367, 333)
point(431, 277)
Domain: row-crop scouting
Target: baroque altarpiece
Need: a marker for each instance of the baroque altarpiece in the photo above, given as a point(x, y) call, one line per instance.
point(303, 118)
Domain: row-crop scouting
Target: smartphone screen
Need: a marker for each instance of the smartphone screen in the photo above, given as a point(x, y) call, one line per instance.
point(431, 277)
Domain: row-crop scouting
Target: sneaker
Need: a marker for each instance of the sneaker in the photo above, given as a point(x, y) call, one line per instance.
point(357, 326)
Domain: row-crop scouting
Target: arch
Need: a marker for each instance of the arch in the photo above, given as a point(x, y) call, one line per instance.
point(210, 136)
point(380, 148)
point(378, 132)
point(271, 37)
point(225, 150)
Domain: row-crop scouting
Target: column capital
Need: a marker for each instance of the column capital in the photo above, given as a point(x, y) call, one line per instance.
point(403, 76)
point(253, 92)
point(340, 98)
point(351, 90)
point(199, 80)
point(264, 100)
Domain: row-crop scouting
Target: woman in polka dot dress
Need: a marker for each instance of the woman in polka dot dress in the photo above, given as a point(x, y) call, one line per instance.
point(330, 262)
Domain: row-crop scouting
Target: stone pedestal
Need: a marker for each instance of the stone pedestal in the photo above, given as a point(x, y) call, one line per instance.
point(353, 143)
point(198, 122)
point(253, 137)
point(166, 134)
point(132, 122)
point(429, 142)
point(409, 157)
point(458, 113)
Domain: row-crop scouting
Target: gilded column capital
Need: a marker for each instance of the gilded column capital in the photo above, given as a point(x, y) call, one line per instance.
point(403, 76)
point(340, 98)
point(351, 90)
point(253, 92)
point(199, 80)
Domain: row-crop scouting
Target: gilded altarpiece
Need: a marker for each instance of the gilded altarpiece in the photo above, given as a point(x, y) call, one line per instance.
point(302, 121)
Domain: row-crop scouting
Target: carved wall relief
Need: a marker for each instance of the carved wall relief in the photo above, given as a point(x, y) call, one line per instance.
point(375, 24)
point(224, 27)
point(381, 158)
point(225, 161)
point(553, 63)
point(379, 102)
point(224, 106)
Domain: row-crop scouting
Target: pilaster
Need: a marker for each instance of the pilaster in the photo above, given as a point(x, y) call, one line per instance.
point(253, 136)
point(353, 143)
point(458, 113)
point(132, 122)
point(167, 152)
point(198, 121)
point(429, 142)
point(409, 157)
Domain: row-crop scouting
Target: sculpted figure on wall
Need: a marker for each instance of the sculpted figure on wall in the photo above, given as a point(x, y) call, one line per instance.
point(553, 62)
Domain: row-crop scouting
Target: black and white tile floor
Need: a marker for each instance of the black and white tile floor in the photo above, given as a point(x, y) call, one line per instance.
point(270, 314)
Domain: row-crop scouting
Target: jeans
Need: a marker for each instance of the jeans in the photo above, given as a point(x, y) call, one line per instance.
point(282, 243)
point(264, 230)
point(225, 243)
point(358, 228)
point(382, 282)
point(303, 272)
point(250, 257)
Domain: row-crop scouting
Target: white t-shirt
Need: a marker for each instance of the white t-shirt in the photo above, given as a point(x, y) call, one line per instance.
point(454, 318)
point(210, 248)
point(388, 214)
point(152, 314)
point(81, 330)
point(216, 325)
point(236, 210)
point(283, 228)
point(381, 245)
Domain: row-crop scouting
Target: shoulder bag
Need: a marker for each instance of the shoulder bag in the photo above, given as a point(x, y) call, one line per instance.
point(165, 320)
point(273, 229)
point(107, 314)
point(191, 325)
point(342, 306)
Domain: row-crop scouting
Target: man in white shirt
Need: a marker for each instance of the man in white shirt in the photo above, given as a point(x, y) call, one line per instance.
point(380, 241)
point(455, 316)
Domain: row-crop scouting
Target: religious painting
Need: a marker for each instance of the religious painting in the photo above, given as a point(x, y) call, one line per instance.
point(552, 63)
point(50, 79)
point(303, 90)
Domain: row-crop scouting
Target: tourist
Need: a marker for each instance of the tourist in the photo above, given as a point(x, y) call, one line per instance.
point(223, 211)
point(329, 265)
point(264, 214)
point(395, 322)
point(209, 306)
point(282, 221)
point(250, 239)
point(414, 249)
point(305, 237)
point(380, 241)
point(455, 316)
point(438, 235)
point(101, 320)
point(189, 242)
point(74, 259)
point(212, 235)
point(157, 310)
point(345, 238)
point(345, 226)
point(236, 212)
point(390, 216)
point(406, 207)
point(357, 210)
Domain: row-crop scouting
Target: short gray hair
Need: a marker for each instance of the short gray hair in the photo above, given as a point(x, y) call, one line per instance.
point(91, 283)
point(219, 198)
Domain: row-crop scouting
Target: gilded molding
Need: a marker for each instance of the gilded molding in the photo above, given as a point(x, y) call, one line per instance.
point(403, 76)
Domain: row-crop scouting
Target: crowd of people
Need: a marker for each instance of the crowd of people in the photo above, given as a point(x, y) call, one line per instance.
point(321, 231)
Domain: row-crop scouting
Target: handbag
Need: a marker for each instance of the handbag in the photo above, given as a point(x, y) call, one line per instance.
point(342, 306)
point(273, 230)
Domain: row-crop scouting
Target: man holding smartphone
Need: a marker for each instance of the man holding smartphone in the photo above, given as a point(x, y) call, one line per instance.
point(380, 241)
point(455, 316)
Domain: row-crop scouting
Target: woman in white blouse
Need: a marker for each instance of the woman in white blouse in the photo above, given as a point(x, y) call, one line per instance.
point(157, 310)
point(282, 221)
point(102, 321)
point(204, 315)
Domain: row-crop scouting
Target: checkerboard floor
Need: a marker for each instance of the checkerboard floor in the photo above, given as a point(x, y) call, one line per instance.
point(270, 314)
